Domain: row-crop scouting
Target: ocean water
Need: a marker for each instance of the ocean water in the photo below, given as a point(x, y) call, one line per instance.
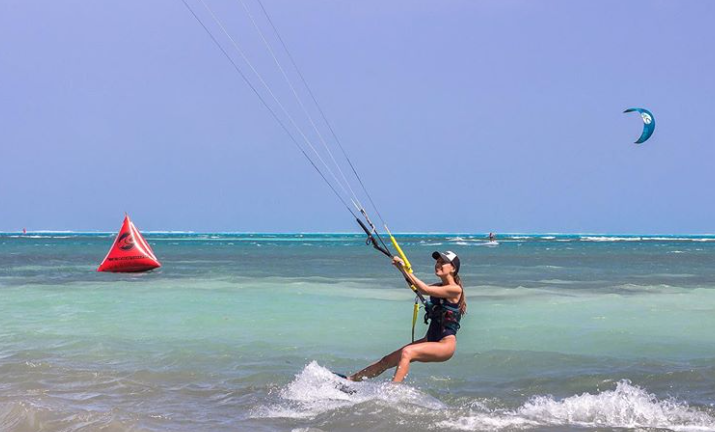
point(239, 332)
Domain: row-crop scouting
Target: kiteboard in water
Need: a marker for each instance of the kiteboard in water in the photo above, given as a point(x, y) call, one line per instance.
point(130, 253)
point(344, 387)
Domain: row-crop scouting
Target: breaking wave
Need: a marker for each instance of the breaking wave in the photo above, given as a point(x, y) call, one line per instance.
point(316, 391)
point(627, 406)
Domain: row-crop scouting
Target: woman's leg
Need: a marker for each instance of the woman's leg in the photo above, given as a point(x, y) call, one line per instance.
point(425, 352)
point(389, 361)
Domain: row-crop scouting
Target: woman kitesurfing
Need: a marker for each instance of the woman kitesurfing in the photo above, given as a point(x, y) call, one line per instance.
point(444, 311)
point(447, 303)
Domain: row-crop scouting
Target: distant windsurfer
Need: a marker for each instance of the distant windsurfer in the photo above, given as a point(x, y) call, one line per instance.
point(492, 237)
point(445, 309)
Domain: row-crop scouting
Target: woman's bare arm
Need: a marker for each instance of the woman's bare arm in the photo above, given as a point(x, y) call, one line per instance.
point(446, 291)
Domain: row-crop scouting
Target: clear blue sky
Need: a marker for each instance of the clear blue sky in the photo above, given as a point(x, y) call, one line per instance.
point(462, 116)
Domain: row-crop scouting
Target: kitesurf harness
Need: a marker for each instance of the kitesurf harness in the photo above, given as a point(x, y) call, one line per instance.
point(446, 315)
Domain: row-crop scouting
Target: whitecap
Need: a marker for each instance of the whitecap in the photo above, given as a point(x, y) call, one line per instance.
point(627, 406)
point(316, 390)
point(609, 239)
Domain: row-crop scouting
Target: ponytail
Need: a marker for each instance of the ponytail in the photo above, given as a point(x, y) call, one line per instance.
point(462, 297)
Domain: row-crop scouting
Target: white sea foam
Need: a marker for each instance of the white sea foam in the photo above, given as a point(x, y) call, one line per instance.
point(476, 243)
point(609, 239)
point(55, 232)
point(487, 421)
point(44, 237)
point(627, 406)
point(484, 243)
point(680, 239)
point(316, 390)
point(557, 282)
point(631, 287)
point(596, 238)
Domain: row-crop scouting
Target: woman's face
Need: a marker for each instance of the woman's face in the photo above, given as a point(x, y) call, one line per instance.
point(442, 268)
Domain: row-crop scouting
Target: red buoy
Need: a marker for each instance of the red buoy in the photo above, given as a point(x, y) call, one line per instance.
point(130, 252)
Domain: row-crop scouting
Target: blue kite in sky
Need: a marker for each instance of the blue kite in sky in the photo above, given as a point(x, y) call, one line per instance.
point(648, 123)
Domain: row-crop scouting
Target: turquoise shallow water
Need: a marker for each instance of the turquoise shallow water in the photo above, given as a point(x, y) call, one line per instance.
point(238, 331)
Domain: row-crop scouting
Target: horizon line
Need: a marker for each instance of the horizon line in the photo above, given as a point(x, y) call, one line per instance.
point(485, 234)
